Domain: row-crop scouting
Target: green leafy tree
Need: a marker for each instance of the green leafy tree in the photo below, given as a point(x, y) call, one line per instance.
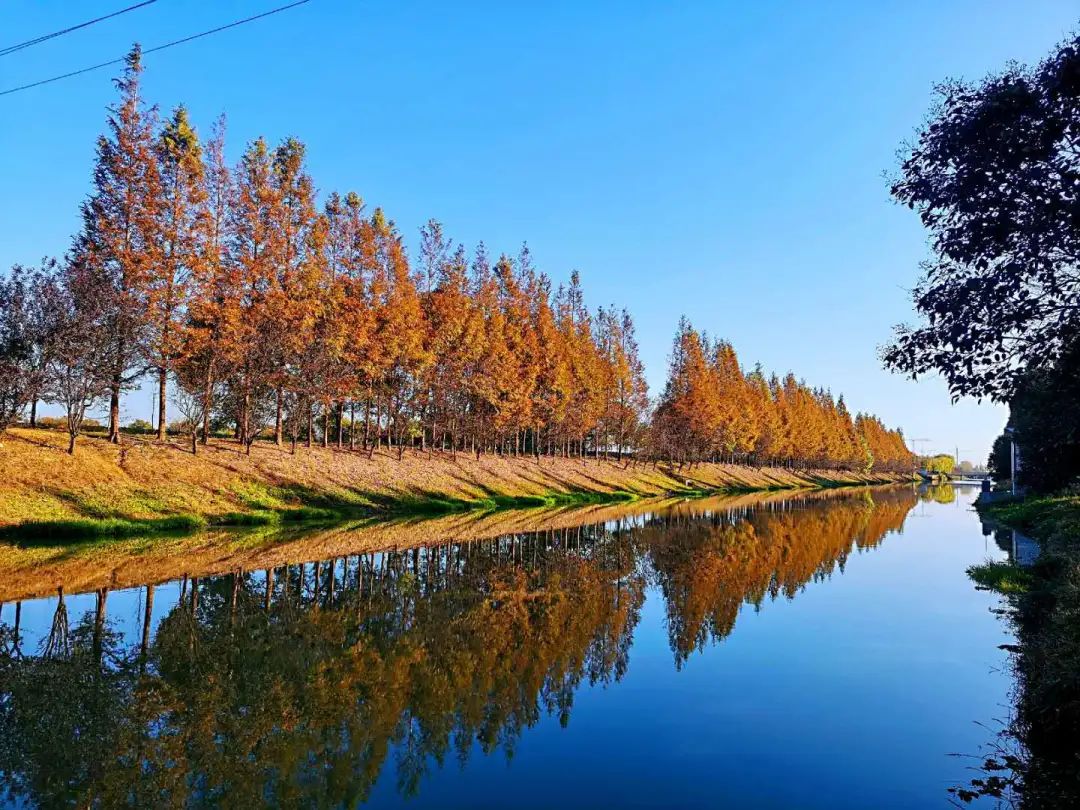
point(993, 176)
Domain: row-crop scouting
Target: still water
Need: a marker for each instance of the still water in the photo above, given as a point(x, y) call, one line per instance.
point(821, 650)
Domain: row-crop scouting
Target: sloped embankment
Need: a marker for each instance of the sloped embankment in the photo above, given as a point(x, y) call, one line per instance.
point(141, 486)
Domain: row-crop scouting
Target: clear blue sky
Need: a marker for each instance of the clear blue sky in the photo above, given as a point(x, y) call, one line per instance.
point(719, 160)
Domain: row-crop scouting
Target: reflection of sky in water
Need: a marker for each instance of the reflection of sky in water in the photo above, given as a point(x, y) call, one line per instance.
point(851, 694)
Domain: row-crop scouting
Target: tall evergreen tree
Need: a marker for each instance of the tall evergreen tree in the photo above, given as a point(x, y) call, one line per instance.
point(118, 226)
point(177, 249)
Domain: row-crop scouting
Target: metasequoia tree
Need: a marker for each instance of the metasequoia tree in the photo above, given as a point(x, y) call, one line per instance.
point(255, 251)
point(213, 328)
point(178, 247)
point(625, 392)
point(295, 299)
point(455, 341)
point(119, 221)
point(398, 335)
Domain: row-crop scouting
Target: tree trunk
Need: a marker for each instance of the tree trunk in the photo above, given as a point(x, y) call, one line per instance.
point(71, 444)
point(279, 426)
point(367, 420)
point(244, 408)
point(114, 412)
point(161, 387)
point(208, 401)
point(33, 412)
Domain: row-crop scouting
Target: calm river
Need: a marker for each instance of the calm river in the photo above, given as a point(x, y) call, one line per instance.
point(815, 650)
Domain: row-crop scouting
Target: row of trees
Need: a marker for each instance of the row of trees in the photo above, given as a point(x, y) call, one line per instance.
point(251, 306)
point(256, 310)
point(712, 410)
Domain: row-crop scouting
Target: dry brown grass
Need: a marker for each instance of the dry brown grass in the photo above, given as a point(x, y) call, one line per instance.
point(141, 479)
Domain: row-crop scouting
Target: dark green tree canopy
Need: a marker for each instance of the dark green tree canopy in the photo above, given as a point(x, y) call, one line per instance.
point(995, 176)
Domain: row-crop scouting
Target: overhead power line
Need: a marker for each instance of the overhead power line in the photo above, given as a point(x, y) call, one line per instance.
point(54, 34)
point(156, 48)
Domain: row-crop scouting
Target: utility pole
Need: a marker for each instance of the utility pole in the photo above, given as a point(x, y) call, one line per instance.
point(919, 455)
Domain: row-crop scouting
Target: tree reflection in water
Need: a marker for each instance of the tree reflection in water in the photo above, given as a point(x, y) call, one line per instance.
point(295, 686)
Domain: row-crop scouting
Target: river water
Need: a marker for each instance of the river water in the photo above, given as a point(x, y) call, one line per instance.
point(811, 650)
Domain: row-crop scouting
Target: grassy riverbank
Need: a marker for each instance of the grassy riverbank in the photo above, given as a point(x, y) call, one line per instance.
point(1044, 608)
point(143, 487)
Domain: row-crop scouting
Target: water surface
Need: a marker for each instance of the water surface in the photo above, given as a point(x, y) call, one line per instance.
point(822, 650)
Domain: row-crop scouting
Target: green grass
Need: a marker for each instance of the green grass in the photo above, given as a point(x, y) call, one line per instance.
point(409, 505)
point(46, 531)
point(1052, 514)
point(1003, 577)
point(260, 517)
point(272, 517)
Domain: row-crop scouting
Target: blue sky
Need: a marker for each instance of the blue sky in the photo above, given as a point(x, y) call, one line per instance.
point(720, 160)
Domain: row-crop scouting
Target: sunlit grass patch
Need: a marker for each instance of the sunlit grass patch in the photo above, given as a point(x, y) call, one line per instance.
point(258, 496)
point(47, 532)
point(272, 517)
point(1059, 514)
point(1003, 577)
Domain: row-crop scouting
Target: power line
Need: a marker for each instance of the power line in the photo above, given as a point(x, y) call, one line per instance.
point(156, 48)
point(54, 34)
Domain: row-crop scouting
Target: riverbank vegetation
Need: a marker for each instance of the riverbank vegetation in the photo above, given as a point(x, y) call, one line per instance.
point(1041, 766)
point(1004, 577)
point(115, 487)
point(262, 315)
